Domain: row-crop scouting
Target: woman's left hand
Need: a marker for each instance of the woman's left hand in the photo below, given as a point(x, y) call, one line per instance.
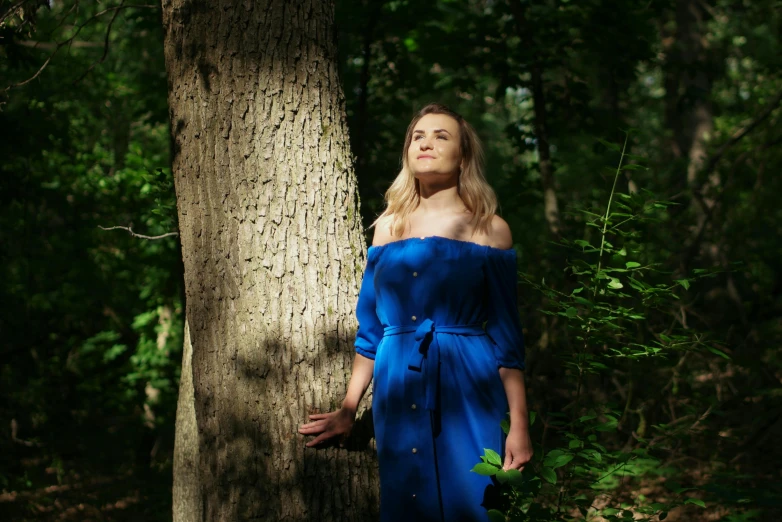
point(518, 450)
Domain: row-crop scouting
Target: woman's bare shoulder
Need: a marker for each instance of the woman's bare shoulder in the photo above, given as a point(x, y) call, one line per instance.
point(499, 234)
point(383, 231)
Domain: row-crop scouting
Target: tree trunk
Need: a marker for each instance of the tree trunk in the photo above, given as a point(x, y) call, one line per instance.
point(273, 251)
point(688, 93)
point(547, 180)
point(689, 116)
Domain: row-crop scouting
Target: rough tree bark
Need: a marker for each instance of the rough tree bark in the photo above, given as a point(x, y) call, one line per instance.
point(273, 251)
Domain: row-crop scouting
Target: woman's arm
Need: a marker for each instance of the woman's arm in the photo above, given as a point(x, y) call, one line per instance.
point(340, 422)
point(518, 446)
point(513, 381)
point(359, 382)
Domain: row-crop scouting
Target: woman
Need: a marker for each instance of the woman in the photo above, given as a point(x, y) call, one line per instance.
point(439, 268)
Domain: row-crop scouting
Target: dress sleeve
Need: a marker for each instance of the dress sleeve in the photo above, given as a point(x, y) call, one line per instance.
point(503, 325)
point(370, 330)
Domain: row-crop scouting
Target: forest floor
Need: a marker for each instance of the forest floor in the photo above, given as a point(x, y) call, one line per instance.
point(136, 496)
point(88, 497)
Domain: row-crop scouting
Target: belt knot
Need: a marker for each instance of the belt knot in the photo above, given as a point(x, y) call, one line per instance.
point(428, 349)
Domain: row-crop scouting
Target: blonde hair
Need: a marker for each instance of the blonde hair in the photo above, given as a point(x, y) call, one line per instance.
point(403, 196)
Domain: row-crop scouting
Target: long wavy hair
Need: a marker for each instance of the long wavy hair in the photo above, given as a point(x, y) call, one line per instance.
point(404, 195)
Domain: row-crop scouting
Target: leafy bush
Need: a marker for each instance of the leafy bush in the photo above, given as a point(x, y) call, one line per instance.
point(617, 308)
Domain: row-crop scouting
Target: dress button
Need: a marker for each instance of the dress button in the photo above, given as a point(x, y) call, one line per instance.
point(423, 237)
point(412, 407)
point(413, 495)
point(415, 274)
point(413, 318)
point(415, 450)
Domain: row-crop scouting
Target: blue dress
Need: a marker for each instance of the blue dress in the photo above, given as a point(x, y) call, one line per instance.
point(439, 317)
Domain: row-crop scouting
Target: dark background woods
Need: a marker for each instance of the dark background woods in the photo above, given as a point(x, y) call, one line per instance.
point(92, 319)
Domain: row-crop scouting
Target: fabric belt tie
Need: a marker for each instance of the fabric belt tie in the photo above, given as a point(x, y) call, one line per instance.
point(427, 348)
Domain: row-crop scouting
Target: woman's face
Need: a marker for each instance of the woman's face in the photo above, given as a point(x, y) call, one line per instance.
point(434, 148)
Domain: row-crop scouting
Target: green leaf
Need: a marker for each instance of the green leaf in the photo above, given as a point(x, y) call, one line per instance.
point(114, 352)
point(501, 476)
point(496, 516)
point(561, 461)
point(548, 475)
point(612, 146)
point(591, 454)
point(515, 477)
point(718, 352)
point(696, 501)
point(607, 426)
point(581, 300)
point(615, 283)
point(487, 470)
point(493, 457)
point(571, 312)
point(632, 264)
point(684, 282)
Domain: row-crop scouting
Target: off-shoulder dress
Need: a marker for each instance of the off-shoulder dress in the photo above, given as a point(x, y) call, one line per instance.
point(439, 317)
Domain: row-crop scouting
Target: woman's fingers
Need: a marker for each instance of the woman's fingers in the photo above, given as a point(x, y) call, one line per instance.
point(512, 463)
point(320, 438)
point(325, 426)
point(313, 427)
point(516, 464)
point(318, 422)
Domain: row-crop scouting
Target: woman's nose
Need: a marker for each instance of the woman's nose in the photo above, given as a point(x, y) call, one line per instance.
point(424, 143)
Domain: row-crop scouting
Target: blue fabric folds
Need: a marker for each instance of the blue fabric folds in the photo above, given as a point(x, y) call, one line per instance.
point(370, 331)
point(503, 315)
point(437, 395)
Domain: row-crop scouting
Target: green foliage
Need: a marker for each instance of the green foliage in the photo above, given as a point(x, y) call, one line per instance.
point(669, 336)
point(616, 292)
point(707, 401)
point(92, 318)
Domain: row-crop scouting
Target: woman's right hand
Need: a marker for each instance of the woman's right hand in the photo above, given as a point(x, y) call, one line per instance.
point(328, 425)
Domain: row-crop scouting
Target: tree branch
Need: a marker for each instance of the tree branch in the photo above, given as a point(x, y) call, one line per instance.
point(11, 10)
point(105, 45)
point(142, 236)
point(739, 134)
point(711, 165)
point(48, 46)
point(68, 41)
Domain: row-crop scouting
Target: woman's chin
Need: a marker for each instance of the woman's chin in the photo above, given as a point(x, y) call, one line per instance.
point(431, 172)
